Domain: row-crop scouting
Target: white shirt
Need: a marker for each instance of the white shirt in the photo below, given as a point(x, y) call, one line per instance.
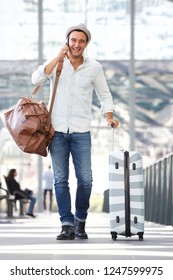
point(73, 100)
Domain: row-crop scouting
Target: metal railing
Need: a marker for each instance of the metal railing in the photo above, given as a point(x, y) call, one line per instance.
point(158, 184)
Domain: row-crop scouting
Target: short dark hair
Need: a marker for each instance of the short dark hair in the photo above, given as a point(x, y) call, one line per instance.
point(78, 30)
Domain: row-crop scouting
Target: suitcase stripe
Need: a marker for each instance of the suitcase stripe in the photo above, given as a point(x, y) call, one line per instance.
point(113, 185)
point(136, 175)
point(137, 185)
point(137, 212)
point(117, 177)
point(118, 206)
point(135, 198)
point(117, 192)
point(137, 206)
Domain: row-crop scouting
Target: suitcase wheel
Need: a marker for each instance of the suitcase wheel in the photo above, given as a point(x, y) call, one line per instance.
point(140, 236)
point(114, 235)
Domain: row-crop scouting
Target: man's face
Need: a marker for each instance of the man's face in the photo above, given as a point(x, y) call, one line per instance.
point(77, 43)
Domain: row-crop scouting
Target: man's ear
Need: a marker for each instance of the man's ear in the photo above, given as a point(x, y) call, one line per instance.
point(86, 44)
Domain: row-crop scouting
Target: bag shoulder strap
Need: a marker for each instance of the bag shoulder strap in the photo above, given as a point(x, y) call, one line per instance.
point(58, 72)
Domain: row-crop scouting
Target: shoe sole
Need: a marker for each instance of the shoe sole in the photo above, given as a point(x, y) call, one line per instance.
point(66, 238)
point(80, 237)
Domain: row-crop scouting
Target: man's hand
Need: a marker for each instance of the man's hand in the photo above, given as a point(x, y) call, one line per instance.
point(113, 123)
point(59, 58)
point(64, 52)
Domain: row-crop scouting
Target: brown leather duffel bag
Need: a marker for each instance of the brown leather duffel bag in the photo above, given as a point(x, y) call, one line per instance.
point(30, 126)
point(29, 122)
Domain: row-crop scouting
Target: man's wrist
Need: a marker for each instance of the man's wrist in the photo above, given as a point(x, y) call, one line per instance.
point(109, 116)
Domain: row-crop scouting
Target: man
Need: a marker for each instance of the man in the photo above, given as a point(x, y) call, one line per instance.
point(48, 186)
point(71, 119)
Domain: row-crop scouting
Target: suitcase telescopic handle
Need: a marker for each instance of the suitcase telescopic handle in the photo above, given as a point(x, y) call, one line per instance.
point(113, 138)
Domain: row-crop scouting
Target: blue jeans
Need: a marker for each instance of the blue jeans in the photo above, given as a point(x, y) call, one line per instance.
point(32, 203)
point(78, 145)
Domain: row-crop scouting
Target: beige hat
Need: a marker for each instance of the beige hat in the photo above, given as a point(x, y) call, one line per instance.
point(81, 27)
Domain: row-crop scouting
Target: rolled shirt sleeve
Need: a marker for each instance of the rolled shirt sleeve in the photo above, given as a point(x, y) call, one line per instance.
point(103, 92)
point(38, 76)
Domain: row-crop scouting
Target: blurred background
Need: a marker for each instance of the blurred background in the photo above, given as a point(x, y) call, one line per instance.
point(133, 40)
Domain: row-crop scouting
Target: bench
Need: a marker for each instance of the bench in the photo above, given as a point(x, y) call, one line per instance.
point(10, 200)
point(22, 201)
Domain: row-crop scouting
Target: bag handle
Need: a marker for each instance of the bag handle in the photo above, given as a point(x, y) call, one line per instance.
point(58, 72)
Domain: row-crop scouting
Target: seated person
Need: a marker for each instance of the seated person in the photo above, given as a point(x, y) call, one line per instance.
point(13, 186)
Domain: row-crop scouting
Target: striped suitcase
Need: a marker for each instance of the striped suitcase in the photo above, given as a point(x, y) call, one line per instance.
point(126, 194)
